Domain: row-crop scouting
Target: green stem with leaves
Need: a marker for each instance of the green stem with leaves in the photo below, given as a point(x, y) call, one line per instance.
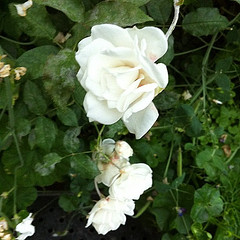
point(9, 94)
point(204, 68)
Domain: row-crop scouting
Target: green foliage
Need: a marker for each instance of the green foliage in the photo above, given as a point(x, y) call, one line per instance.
point(37, 22)
point(193, 148)
point(204, 21)
point(59, 76)
point(207, 204)
point(120, 13)
point(74, 9)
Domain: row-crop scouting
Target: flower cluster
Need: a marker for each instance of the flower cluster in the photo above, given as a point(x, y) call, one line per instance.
point(126, 183)
point(119, 73)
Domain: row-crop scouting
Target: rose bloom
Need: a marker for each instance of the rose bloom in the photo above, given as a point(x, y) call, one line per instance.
point(119, 73)
point(132, 182)
point(25, 228)
point(109, 213)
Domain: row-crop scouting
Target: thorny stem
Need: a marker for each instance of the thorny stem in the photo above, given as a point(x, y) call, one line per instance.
point(176, 4)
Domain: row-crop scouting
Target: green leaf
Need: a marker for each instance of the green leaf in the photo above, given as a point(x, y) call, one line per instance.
point(185, 118)
point(204, 21)
point(25, 196)
point(160, 10)
point(36, 23)
point(68, 203)
point(74, 9)
point(199, 233)
point(60, 75)
point(71, 141)
point(135, 2)
point(6, 181)
point(119, 13)
point(182, 224)
point(207, 204)
point(32, 96)
point(23, 127)
point(162, 216)
point(169, 55)
point(45, 132)
point(84, 166)
point(166, 100)
point(3, 98)
point(48, 165)
point(67, 116)
point(211, 162)
point(79, 93)
point(35, 59)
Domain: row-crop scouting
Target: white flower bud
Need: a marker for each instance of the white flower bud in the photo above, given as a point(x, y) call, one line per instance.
point(123, 149)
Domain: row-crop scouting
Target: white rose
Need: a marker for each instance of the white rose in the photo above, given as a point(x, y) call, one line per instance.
point(120, 76)
point(109, 213)
point(123, 149)
point(132, 182)
point(25, 228)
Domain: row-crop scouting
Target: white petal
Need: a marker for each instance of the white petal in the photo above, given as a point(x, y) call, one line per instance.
point(98, 110)
point(114, 34)
point(88, 48)
point(156, 72)
point(154, 40)
point(140, 122)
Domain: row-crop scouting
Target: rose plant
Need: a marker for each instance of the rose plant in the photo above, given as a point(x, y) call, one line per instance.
point(103, 106)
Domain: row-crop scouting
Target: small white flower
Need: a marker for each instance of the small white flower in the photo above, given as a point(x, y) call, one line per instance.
point(123, 149)
point(217, 101)
point(25, 228)
point(22, 8)
point(119, 73)
point(186, 95)
point(4, 70)
point(132, 182)
point(109, 213)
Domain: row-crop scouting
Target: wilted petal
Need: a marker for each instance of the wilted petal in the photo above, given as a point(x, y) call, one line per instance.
point(99, 111)
point(140, 122)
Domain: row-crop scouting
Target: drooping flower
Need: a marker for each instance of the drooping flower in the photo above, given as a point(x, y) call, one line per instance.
point(109, 213)
point(132, 182)
point(25, 228)
point(22, 8)
point(119, 73)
